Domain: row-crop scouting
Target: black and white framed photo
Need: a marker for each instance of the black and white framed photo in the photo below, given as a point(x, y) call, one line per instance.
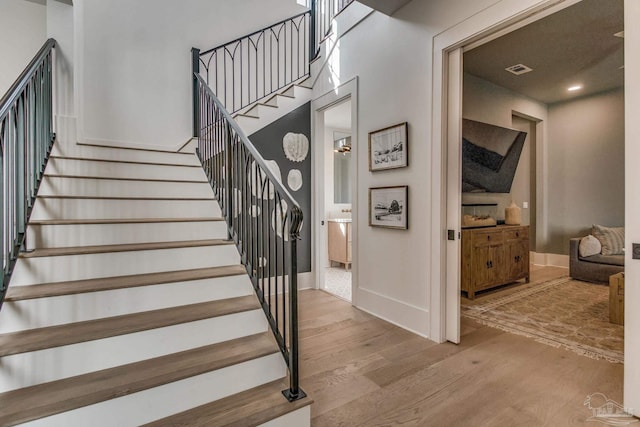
point(388, 148)
point(388, 207)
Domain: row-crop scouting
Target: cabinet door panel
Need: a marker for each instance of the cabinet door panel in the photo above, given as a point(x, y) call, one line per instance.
point(518, 260)
point(487, 266)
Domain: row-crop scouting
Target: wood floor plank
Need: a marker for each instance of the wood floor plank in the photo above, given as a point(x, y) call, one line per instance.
point(492, 378)
point(247, 409)
point(59, 335)
point(46, 399)
point(128, 247)
point(179, 199)
point(405, 365)
point(120, 221)
point(116, 178)
point(18, 293)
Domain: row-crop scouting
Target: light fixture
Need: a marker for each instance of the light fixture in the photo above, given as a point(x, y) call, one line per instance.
point(342, 145)
point(574, 88)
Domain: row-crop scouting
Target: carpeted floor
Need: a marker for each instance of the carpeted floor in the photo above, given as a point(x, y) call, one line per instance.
point(562, 312)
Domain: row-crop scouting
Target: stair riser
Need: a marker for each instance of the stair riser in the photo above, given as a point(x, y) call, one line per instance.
point(59, 236)
point(45, 209)
point(42, 312)
point(30, 271)
point(59, 166)
point(160, 402)
point(59, 186)
point(298, 418)
point(269, 115)
point(23, 370)
point(90, 152)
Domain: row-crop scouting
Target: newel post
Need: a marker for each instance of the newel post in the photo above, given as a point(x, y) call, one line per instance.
point(313, 29)
point(195, 69)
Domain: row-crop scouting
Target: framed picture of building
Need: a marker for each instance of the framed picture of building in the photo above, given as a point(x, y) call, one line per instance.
point(388, 148)
point(388, 207)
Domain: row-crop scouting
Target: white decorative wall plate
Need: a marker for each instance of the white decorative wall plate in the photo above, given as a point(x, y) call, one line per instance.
point(294, 179)
point(295, 146)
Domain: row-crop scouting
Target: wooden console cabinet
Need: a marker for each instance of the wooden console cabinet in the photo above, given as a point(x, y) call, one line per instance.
point(494, 256)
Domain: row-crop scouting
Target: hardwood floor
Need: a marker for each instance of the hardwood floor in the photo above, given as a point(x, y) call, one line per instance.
point(362, 371)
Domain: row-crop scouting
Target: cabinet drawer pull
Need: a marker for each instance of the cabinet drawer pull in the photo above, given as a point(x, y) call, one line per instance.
point(517, 234)
point(488, 237)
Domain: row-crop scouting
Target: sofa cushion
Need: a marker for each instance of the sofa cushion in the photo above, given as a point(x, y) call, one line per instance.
point(605, 259)
point(611, 239)
point(589, 245)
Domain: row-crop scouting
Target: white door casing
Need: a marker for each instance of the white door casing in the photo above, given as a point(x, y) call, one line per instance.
point(319, 248)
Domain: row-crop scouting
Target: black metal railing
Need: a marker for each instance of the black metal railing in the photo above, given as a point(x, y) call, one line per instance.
point(324, 11)
point(26, 138)
point(262, 217)
point(257, 65)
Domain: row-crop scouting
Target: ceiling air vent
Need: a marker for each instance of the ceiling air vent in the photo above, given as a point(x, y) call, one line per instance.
point(518, 69)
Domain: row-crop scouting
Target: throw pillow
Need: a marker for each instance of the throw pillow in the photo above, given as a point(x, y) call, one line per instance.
point(589, 245)
point(611, 239)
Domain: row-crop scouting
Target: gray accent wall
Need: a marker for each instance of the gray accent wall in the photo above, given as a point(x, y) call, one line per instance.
point(268, 141)
point(586, 167)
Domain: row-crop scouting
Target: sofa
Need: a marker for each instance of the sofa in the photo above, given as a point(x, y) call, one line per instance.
point(595, 268)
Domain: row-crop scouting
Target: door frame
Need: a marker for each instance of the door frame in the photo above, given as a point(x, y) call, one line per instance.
point(493, 22)
point(320, 255)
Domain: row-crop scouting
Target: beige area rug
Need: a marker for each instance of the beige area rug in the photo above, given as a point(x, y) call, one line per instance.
point(563, 312)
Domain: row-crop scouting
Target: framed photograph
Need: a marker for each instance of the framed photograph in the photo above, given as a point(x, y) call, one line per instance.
point(388, 148)
point(388, 207)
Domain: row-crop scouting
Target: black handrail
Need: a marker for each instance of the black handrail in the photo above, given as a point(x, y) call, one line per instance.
point(26, 138)
point(259, 64)
point(263, 219)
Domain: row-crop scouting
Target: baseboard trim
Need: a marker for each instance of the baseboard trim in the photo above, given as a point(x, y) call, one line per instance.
point(550, 260)
point(306, 281)
point(404, 315)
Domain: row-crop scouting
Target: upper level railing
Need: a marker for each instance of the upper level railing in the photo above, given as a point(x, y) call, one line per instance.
point(262, 217)
point(324, 11)
point(26, 138)
point(252, 67)
point(259, 64)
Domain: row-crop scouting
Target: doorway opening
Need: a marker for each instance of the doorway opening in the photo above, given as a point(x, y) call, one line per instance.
point(553, 190)
point(338, 147)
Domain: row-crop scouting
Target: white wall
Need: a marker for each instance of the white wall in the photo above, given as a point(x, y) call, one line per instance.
point(60, 27)
point(23, 31)
point(136, 63)
point(586, 166)
point(393, 64)
point(486, 102)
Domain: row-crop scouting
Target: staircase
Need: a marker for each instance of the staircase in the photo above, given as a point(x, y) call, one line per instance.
point(130, 307)
point(271, 108)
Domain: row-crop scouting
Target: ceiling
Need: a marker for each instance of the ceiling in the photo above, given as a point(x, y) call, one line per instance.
point(388, 7)
point(575, 46)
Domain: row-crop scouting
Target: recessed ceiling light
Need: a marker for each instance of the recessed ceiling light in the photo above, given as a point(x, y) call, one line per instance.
point(574, 88)
point(620, 34)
